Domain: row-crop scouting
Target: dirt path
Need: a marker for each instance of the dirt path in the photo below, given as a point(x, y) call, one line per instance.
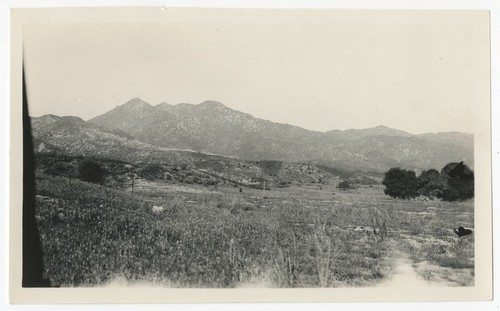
point(405, 276)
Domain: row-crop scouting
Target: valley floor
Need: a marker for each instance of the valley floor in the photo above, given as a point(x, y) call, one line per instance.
point(217, 236)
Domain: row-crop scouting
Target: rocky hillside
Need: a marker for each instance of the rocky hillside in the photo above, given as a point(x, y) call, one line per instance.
point(211, 127)
point(208, 127)
point(66, 140)
point(321, 161)
point(75, 137)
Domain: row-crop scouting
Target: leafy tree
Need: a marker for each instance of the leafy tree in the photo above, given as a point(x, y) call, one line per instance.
point(401, 183)
point(459, 180)
point(91, 171)
point(458, 170)
point(458, 190)
point(431, 184)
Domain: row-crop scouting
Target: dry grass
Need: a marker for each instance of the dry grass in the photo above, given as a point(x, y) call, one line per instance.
point(289, 237)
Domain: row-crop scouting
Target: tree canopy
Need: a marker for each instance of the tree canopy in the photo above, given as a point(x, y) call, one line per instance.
point(431, 184)
point(401, 183)
point(460, 182)
point(455, 182)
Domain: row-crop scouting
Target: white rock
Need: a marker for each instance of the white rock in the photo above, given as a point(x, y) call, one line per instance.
point(157, 209)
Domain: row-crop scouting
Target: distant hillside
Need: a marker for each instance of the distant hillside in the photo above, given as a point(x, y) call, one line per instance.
point(75, 137)
point(298, 157)
point(68, 139)
point(453, 138)
point(353, 134)
point(211, 127)
point(208, 127)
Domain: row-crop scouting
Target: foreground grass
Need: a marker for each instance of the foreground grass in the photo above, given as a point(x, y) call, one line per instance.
point(292, 238)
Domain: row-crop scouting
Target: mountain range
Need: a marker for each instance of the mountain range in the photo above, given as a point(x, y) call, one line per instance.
point(138, 130)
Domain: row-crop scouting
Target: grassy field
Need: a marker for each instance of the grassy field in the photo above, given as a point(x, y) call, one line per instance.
point(217, 236)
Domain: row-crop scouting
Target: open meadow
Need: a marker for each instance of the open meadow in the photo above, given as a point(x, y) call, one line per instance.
point(303, 236)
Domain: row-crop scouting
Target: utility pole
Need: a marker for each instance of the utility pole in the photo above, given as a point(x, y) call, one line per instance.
point(131, 175)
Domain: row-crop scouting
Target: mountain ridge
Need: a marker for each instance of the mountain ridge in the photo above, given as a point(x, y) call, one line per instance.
point(205, 103)
point(213, 128)
point(179, 105)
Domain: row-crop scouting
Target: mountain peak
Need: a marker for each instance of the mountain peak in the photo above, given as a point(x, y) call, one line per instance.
point(211, 104)
point(136, 102)
point(382, 127)
point(136, 106)
point(45, 120)
point(384, 130)
point(47, 117)
point(72, 119)
point(131, 112)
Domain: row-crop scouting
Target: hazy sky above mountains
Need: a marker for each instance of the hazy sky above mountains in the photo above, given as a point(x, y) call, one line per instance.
point(418, 72)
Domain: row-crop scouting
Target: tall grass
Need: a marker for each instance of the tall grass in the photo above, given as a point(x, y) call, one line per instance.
point(92, 235)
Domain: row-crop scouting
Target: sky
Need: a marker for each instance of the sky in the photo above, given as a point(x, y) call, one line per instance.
point(318, 70)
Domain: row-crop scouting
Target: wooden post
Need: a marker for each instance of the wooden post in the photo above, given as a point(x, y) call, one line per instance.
point(131, 175)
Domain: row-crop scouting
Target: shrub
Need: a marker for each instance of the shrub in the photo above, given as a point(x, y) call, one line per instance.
point(458, 190)
point(400, 183)
point(460, 182)
point(344, 185)
point(431, 184)
point(91, 171)
point(151, 172)
point(60, 169)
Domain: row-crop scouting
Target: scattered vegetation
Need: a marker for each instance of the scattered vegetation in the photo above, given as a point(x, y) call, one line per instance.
point(346, 184)
point(92, 234)
point(219, 236)
point(152, 171)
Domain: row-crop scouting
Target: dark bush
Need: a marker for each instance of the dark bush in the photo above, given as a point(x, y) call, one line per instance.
point(91, 171)
point(344, 185)
point(151, 171)
point(401, 183)
point(460, 182)
point(458, 190)
point(458, 170)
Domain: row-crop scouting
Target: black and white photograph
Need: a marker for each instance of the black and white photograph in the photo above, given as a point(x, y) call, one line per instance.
point(254, 149)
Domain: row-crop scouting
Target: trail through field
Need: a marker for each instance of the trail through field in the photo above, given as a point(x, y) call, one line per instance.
point(405, 275)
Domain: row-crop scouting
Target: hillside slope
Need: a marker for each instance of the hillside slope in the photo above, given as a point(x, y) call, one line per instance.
point(211, 127)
